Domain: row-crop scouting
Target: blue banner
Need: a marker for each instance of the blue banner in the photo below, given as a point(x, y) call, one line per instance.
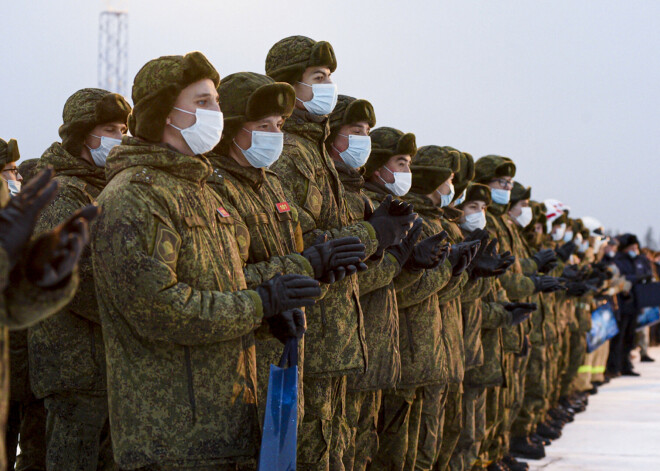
point(648, 317)
point(603, 327)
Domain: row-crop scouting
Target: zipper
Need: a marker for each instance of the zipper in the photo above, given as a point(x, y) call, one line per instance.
point(189, 377)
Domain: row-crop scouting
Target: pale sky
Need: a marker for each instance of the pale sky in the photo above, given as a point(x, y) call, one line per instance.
point(570, 90)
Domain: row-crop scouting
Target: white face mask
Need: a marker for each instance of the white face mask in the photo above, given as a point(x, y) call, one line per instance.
point(205, 134)
point(359, 148)
point(500, 196)
point(14, 187)
point(100, 154)
point(558, 234)
point(568, 236)
point(323, 100)
point(525, 217)
point(445, 200)
point(265, 149)
point(402, 182)
point(461, 198)
point(583, 246)
point(474, 221)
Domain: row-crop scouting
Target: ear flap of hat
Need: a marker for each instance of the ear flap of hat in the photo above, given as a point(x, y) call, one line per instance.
point(426, 179)
point(376, 160)
point(323, 55)
point(197, 67)
point(73, 135)
point(149, 115)
point(407, 145)
point(271, 99)
point(505, 169)
point(112, 108)
point(360, 110)
point(13, 154)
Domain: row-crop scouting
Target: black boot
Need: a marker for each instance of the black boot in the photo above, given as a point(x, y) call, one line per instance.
point(629, 373)
point(524, 447)
point(548, 431)
point(497, 466)
point(646, 359)
point(514, 464)
point(536, 438)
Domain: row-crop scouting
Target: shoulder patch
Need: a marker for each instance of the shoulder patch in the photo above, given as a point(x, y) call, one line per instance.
point(166, 248)
point(283, 207)
point(313, 200)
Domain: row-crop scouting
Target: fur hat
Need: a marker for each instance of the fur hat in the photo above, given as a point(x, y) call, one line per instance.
point(626, 240)
point(477, 192)
point(86, 109)
point(519, 193)
point(493, 166)
point(247, 96)
point(157, 86)
point(288, 59)
point(386, 143)
point(8, 152)
point(432, 166)
point(465, 173)
point(349, 110)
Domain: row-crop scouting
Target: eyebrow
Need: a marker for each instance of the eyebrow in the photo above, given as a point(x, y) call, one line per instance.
point(401, 158)
point(203, 95)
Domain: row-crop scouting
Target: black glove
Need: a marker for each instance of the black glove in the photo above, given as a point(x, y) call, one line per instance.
point(571, 273)
point(287, 324)
point(327, 256)
point(507, 259)
point(404, 250)
point(461, 255)
point(54, 254)
point(488, 263)
point(577, 288)
point(429, 253)
point(18, 218)
point(525, 348)
point(546, 284)
point(284, 292)
point(520, 312)
point(391, 223)
point(566, 250)
point(545, 259)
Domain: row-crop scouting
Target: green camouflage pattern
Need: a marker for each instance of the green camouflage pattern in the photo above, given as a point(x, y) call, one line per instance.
point(66, 350)
point(177, 318)
point(335, 339)
point(289, 57)
point(28, 169)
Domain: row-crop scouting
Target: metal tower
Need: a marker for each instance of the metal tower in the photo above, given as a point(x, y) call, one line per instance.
point(113, 48)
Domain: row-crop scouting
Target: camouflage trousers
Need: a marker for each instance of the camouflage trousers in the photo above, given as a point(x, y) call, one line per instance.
point(393, 425)
point(27, 419)
point(466, 452)
point(76, 431)
point(362, 409)
point(562, 363)
point(577, 350)
point(216, 467)
point(323, 430)
point(494, 417)
point(536, 391)
point(451, 427)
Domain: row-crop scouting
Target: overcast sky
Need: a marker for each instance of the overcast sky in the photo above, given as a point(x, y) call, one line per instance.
point(570, 90)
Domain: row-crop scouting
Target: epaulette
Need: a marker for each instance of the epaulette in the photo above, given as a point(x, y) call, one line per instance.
point(142, 175)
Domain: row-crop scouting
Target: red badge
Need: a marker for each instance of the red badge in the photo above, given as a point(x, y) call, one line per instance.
point(223, 212)
point(283, 207)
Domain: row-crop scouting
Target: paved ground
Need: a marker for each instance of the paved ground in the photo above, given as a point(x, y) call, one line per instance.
point(620, 430)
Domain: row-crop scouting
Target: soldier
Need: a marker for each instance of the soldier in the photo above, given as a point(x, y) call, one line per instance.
point(349, 146)
point(254, 109)
point(67, 363)
point(8, 167)
point(43, 279)
point(177, 318)
point(335, 343)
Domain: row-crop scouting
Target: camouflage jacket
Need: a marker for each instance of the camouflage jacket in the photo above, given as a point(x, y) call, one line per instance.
point(335, 340)
point(377, 298)
point(21, 305)
point(177, 318)
point(424, 356)
point(66, 350)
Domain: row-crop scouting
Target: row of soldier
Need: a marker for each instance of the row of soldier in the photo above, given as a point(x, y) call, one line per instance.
point(444, 312)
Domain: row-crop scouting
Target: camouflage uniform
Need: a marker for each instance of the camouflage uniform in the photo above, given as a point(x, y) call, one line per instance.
point(21, 305)
point(335, 339)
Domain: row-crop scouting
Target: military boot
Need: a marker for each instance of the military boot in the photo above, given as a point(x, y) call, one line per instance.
point(547, 431)
point(524, 447)
point(514, 464)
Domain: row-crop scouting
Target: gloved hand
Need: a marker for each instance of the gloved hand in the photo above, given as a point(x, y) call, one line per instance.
point(461, 255)
point(520, 312)
point(404, 250)
point(326, 257)
point(54, 255)
point(291, 323)
point(284, 292)
point(566, 250)
point(429, 253)
point(488, 263)
point(577, 288)
point(481, 235)
point(18, 218)
point(507, 259)
point(525, 348)
point(391, 223)
point(545, 259)
point(546, 284)
point(571, 272)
